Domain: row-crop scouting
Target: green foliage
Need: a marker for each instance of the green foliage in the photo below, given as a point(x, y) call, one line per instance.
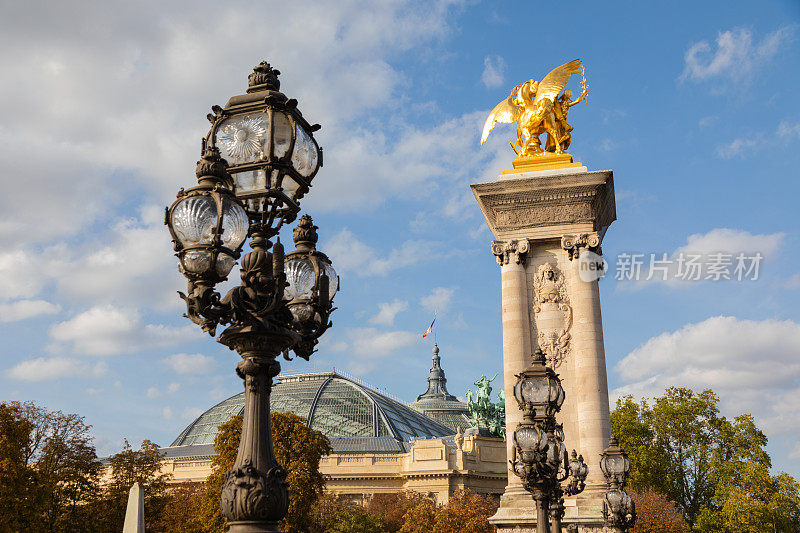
point(48, 469)
point(131, 466)
point(715, 470)
point(298, 448)
point(356, 519)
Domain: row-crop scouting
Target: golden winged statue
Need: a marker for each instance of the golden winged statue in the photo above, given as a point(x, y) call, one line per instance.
point(537, 108)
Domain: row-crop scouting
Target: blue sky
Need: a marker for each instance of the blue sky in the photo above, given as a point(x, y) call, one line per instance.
point(691, 104)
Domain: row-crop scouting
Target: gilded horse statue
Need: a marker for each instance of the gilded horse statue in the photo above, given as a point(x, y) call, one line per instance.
point(537, 108)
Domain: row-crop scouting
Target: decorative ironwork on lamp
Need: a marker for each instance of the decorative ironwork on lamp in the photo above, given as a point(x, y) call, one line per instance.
point(258, 161)
point(540, 457)
point(618, 507)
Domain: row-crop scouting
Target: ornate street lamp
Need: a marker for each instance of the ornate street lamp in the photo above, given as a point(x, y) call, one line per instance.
point(540, 457)
point(258, 160)
point(618, 507)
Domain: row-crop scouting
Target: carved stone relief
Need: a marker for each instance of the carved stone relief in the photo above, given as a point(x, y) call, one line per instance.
point(552, 314)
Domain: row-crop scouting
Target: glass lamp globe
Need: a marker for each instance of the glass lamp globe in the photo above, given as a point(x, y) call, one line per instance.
point(614, 463)
point(208, 225)
point(530, 439)
point(268, 145)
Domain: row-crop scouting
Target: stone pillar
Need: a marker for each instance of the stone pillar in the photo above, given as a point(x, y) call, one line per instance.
point(588, 368)
point(512, 257)
point(543, 221)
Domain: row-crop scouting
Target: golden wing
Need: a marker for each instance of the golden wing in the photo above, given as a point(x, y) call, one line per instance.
point(506, 112)
point(552, 84)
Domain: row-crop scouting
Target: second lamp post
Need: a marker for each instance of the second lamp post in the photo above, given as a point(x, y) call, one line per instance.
point(540, 456)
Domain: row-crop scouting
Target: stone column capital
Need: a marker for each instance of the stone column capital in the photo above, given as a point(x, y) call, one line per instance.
point(514, 251)
point(573, 243)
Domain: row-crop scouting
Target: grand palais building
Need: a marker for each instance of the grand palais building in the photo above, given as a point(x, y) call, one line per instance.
point(379, 443)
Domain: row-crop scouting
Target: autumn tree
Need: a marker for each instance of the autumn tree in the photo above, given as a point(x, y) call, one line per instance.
point(180, 512)
point(681, 447)
point(298, 448)
point(391, 507)
point(656, 514)
point(49, 469)
point(127, 467)
point(15, 477)
point(465, 511)
point(420, 518)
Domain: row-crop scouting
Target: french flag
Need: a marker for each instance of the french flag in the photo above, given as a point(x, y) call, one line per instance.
point(430, 328)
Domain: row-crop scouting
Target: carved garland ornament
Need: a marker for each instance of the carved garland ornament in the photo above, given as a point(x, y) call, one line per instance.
point(552, 314)
point(515, 251)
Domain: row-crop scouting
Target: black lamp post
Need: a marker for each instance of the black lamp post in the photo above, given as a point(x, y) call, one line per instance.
point(618, 507)
point(257, 162)
point(540, 456)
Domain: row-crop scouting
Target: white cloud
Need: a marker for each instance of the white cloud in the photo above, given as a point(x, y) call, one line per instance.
point(132, 262)
point(737, 147)
point(172, 388)
point(788, 131)
point(793, 282)
point(24, 309)
point(350, 254)
point(387, 311)
point(166, 413)
point(754, 366)
point(607, 145)
point(109, 330)
point(190, 413)
point(494, 69)
point(737, 55)
point(190, 363)
point(153, 392)
point(134, 85)
point(703, 249)
point(365, 346)
point(438, 300)
point(53, 368)
point(19, 277)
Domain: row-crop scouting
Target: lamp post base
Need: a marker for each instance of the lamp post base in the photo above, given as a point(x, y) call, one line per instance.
point(248, 526)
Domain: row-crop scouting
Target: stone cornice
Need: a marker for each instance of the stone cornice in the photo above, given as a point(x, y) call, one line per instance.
point(548, 206)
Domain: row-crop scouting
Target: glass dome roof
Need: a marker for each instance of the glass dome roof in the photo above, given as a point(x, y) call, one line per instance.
point(336, 405)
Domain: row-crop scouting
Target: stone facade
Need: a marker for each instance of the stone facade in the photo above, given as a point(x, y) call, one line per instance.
point(543, 221)
point(435, 467)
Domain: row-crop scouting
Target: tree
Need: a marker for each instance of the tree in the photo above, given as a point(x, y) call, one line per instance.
point(180, 515)
point(711, 467)
point(656, 514)
point(298, 448)
point(15, 477)
point(131, 466)
point(466, 511)
point(356, 519)
point(421, 518)
point(391, 507)
point(51, 465)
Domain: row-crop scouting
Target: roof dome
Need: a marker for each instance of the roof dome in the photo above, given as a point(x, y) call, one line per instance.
point(437, 403)
point(336, 405)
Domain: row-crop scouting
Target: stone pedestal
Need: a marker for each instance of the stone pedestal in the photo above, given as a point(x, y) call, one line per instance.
point(549, 225)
